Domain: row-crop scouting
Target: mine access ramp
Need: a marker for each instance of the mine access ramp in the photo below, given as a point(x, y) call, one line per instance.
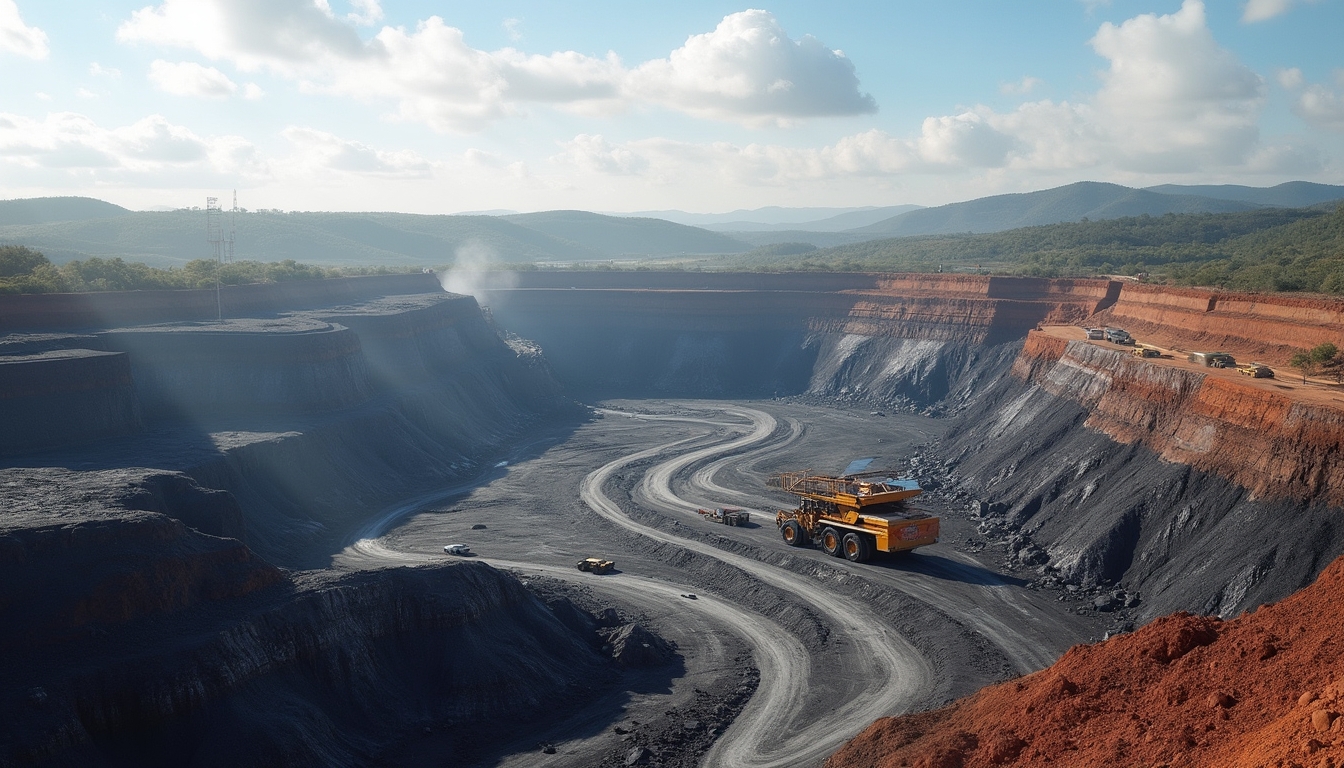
point(854, 516)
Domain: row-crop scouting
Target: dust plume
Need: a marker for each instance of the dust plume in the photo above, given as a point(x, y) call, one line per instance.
point(474, 271)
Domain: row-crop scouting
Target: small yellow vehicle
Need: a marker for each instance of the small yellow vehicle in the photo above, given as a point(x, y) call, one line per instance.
point(1256, 371)
point(595, 565)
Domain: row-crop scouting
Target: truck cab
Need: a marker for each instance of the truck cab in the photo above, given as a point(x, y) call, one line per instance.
point(1119, 336)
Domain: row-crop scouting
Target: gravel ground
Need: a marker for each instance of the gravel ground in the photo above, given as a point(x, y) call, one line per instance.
point(777, 642)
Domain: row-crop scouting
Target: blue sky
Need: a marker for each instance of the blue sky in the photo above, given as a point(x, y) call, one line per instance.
point(438, 107)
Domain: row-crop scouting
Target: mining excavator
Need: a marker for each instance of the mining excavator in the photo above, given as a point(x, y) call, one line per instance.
point(853, 516)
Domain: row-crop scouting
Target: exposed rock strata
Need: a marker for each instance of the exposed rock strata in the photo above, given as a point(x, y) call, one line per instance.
point(753, 335)
point(1268, 327)
point(1141, 476)
point(1268, 443)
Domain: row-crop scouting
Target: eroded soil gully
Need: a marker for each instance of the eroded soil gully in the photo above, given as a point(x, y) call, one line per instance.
point(786, 723)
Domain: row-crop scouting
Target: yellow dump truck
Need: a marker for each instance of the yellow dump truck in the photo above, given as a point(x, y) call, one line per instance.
point(853, 516)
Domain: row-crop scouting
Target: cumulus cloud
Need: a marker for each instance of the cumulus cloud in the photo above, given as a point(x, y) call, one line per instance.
point(98, 70)
point(1263, 10)
point(1290, 78)
point(149, 147)
point(747, 69)
point(1173, 99)
point(17, 37)
point(187, 78)
point(319, 150)
point(1322, 106)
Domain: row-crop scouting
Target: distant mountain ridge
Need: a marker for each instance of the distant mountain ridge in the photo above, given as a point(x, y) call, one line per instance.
point(1073, 202)
point(66, 229)
point(41, 210)
point(621, 236)
point(771, 215)
point(1290, 194)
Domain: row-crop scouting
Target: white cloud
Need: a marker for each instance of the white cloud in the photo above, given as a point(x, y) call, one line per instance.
point(321, 151)
point(513, 28)
point(1321, 106)
point(365, 12)
point(148, 148)
point(1263, 10)
point(187, 78)
point(1290, 78)
point(253, 91)
point(747, 69)
point(1024, 86)
point(85, 93)
point(98, 70)
point(17, 37)
point(1171, 102)
point(1173, 99)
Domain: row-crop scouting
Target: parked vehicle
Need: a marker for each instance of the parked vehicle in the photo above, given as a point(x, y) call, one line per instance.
point(1256, 371)
point(726, 515)
point(457, 549)
point(1213, 359)
point(1145, 352)
point(1096, 334)
point(1119, 336)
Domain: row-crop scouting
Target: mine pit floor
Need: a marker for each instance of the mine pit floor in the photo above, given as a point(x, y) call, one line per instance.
point(835, 644)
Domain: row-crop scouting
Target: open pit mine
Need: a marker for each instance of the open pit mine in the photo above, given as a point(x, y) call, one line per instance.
point(340, 525)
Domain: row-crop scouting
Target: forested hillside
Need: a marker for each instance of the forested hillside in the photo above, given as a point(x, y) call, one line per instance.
point(1271, 249)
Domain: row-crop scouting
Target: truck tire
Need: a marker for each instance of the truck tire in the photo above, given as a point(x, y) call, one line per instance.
point(832, 543)
point(856, 547)
point(793, 533)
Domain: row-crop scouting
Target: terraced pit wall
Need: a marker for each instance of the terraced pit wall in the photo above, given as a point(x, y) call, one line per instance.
point(878, 337)
point(1196, 491)
point(1263, 327)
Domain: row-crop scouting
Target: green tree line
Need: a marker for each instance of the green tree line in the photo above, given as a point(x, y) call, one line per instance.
point(1261, 250)
point(24, 270)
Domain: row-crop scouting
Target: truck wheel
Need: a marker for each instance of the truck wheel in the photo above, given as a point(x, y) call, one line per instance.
point(831, 542)
point(793, 533)
point(856, 548)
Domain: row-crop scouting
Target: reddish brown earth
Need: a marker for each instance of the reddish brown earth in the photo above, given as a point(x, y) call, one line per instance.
point(1269, 327)
point(1275, 439)
point(1264, 689)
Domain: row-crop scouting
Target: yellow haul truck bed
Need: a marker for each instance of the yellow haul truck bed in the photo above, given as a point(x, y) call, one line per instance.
point(854, 516)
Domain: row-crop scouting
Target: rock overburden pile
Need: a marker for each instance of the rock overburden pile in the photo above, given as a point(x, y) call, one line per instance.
point(1263, 689)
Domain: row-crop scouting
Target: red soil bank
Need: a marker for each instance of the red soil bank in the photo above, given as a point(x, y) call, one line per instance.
point(1264, 689)
point(1267, 442)
point(1269, 327)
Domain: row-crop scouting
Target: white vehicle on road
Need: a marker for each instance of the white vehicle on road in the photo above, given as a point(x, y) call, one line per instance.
point(457, 549)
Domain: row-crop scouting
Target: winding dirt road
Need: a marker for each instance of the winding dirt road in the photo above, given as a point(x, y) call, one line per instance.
point(795, 718)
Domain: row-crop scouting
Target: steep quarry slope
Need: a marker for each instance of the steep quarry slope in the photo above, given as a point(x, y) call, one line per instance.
point(879, 338)
point(1196, 492)
point(145, 619)
point(134, 638)
point(1264, 689)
